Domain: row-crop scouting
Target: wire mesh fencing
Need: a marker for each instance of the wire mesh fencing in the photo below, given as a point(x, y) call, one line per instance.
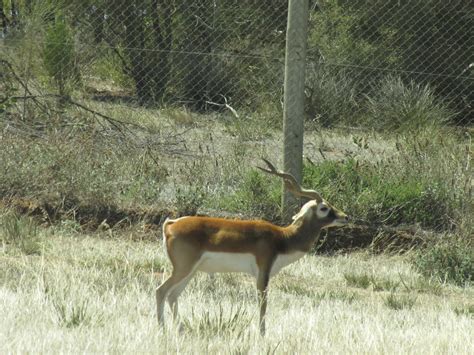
point(390, 61)
point(368, 63)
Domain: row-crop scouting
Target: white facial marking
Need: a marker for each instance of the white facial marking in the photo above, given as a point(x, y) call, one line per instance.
point(323, 210)
point(305, 210)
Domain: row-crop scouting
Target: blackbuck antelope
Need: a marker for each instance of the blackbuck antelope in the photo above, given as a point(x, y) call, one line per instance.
point(258, 248)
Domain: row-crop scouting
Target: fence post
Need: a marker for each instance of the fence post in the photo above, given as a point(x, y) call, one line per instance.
point(293, 106)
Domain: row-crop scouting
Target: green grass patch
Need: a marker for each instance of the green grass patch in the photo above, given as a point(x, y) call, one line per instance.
point(380, 194)
point(257, 194)
point(400, 301)
point(466, 310)
point(364, 280)
point(79, 169)
point(408, 187)
point(450, 260)
point(218, 321)
point(20, 233)
point(358, 280)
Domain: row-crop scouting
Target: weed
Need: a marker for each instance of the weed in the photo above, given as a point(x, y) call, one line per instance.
point(466, 310)
point(257, 195)
point(399, 106)
point(450, 260)
point(398, 302)
point(71, 315)
point(423, 285)
point(358, 280)
point(336, 295)
point(384, 284)
point(225, 320)
point(21, 232)
point(70, 312)
point(366, 280)
point(189, 200)
point(56, 171)
point(297, 287)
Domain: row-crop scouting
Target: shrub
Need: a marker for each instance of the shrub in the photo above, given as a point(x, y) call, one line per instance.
point(189, 200)
point(54, 170)
point(59, 56)
point(21, 233)
point(382, 193)
point(399, 106)
point(331, 98)
point(448, 261)
point(258, 195)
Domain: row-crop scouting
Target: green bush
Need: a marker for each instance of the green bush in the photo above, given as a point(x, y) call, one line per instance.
point(381, 193)
point(331, 98)
point(448, 261)
point(21, 233)
point(189, 200)
point(56, 170)
point(257, 195)
point(59, 56)
point(397, 106)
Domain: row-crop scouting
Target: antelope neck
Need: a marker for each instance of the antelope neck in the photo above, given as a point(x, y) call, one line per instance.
point(302, 236)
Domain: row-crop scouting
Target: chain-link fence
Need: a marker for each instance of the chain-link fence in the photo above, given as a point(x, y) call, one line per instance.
point(384, 61)
point(364, 57)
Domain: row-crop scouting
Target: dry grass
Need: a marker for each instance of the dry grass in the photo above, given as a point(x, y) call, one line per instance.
point(96, 294)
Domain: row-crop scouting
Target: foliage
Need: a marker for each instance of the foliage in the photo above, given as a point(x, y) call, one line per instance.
point(450, 260)
point(364, 41)
point(188, 200)
point(235, 320)
point(331, 97)
point(357, 280)
point(59, 55)
point(401, 301)
point(364, 280)
point(8, 89)
point(380, 194)
point(396, 106)
point(20, 233)
point(258, 195)
point(467, 310)
point(56, 171)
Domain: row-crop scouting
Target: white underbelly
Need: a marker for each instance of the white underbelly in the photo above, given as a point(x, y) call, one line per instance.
point(228, 262)
point(216, 262)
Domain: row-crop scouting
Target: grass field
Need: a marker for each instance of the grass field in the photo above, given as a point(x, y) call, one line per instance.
point(88, 177)
point(80, 275)
point(81, 293)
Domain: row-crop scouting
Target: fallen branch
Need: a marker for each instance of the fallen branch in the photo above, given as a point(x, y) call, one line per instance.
point(226, 105)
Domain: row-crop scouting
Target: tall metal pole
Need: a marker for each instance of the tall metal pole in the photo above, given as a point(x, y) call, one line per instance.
point(293, 110)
